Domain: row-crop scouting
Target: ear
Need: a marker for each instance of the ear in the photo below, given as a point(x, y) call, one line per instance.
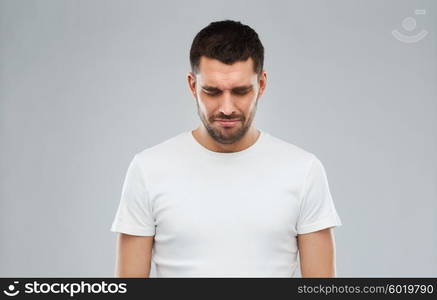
point(191, 77)
point(262, 83)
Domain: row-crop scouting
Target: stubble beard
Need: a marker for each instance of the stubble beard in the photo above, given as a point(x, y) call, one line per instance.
point(234, 134)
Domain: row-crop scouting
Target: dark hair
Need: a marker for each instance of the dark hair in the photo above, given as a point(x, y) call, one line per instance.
point(227, 41)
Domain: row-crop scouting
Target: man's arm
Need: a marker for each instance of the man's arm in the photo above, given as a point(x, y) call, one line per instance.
point(133, 255)
point(317, 253)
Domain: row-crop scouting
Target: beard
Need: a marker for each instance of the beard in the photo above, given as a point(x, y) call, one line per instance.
point(227, 135)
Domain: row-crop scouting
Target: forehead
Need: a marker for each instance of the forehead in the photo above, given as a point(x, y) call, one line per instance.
point(213, 72)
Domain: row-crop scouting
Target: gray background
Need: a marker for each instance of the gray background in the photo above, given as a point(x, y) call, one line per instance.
point(84, 85)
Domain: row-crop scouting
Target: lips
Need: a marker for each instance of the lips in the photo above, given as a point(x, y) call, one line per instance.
point(227, 123)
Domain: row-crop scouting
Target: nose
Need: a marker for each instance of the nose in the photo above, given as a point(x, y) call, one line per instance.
point(227, 106)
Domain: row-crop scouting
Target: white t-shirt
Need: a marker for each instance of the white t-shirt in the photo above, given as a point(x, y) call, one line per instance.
point(219, 214)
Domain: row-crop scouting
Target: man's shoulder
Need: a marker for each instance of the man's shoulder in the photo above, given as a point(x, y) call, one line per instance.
point(164, 149)
point(288, 150)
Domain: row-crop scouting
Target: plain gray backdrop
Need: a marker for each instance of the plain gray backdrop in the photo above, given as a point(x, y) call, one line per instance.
point(84, 85)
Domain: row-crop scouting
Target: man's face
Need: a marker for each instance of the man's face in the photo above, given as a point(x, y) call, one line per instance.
point(226, 92)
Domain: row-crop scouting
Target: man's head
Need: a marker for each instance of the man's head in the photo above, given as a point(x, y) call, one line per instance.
point(227, 78)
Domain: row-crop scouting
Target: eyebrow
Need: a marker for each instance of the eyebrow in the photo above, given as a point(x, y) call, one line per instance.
point(235, 89)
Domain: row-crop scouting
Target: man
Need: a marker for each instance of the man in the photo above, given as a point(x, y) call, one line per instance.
point(226, 199)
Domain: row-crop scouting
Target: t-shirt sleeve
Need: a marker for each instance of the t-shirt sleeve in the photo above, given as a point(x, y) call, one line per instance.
point(134, 215)
point(317, 209)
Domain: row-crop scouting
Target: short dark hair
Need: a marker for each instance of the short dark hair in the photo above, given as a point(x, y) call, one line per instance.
point(227, 41)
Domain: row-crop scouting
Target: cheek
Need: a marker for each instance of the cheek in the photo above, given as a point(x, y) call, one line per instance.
point(248, 104)
point(202, 102)
point(206, 107)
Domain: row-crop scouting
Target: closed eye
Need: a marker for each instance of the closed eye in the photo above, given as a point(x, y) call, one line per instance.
point(212, 93)
point(237, 93)
point(240, 93)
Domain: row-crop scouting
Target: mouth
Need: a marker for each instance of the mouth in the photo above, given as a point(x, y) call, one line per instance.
point(227, 123)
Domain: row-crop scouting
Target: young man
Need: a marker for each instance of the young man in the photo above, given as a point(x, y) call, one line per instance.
point(226, 199)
